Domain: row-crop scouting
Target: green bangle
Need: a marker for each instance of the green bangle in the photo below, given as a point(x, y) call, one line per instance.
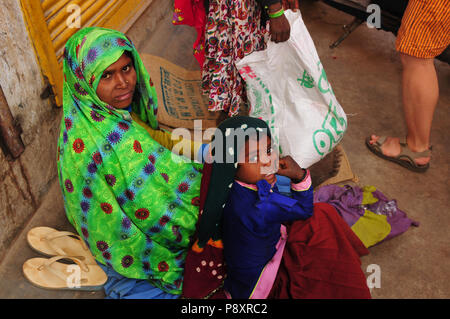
point(276, 14)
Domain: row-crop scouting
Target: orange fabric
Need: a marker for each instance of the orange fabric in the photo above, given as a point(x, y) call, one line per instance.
point(216, 243)
point(425, 29)
point(198, 249)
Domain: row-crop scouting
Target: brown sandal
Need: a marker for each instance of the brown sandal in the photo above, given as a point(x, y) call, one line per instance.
point(51, 242)
point(405, 158)
point(53, 275)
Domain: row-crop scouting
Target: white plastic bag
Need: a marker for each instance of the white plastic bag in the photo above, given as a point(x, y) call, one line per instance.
point(288, 88)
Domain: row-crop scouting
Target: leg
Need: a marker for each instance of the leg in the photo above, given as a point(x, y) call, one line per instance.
point(420, 96)
point(423, 35)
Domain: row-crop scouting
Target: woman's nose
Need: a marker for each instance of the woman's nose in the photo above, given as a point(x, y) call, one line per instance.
point(121, 81)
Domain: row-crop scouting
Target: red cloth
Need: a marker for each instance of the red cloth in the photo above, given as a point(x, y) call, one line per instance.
point(208, 281)
point(192, 13)
point(321, 260)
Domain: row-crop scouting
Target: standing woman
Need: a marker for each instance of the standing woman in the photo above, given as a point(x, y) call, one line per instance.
point(227, 31)
point(234, 29)
point(127, 196)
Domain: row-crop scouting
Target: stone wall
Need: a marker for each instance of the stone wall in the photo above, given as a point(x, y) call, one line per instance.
point(24, 181)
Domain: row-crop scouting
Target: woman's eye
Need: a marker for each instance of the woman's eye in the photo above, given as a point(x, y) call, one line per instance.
point(106, 76)
point(269, 151)
point(127, 68)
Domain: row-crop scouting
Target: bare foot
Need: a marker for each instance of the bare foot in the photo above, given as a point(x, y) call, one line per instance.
point(391, 147)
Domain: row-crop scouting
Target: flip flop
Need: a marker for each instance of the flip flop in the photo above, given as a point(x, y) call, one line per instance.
point(405, 158)
point(50, 242)
point(53, 275)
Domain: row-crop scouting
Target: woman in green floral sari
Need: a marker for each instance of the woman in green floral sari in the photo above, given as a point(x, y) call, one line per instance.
point(125, 194)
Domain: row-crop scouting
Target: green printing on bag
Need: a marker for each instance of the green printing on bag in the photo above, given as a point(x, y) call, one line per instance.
point(332, 131)
point(334, 126)
point(307, 81)
point(323, 77)
point(258, 110)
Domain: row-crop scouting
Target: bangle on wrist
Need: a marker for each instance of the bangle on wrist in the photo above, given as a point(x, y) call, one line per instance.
point(277, 14)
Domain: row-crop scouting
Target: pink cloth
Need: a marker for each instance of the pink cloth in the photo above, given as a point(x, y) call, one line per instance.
point(303, 185)
point(269, 273)
point(251, 186)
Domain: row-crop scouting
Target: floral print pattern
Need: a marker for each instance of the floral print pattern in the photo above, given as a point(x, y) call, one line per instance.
point(114, 177)
point(233, 31)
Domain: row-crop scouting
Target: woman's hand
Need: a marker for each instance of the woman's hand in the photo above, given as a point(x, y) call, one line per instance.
point(291, 4)
point(290, 168)
point(280, 30)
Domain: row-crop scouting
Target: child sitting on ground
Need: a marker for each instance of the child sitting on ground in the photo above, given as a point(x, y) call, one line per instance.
point(245, 224)
point(253, 234)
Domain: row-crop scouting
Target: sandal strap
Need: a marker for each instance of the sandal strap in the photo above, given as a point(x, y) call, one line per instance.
point(381, 140)
point(414, 155)
point(403, 143)
point(80, 263)
point(405, 149)
point(58, 273)
point(59, 234)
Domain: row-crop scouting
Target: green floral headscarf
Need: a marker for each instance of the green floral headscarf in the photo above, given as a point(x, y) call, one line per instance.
point(124, 193)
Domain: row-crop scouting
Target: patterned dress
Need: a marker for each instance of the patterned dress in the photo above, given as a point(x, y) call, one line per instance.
point(233, 30)
point(125, 194)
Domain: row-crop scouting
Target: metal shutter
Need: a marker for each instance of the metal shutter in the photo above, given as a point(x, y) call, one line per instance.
point(48, 24)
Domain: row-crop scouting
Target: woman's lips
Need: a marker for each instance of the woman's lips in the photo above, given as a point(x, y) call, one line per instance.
point(125, 96)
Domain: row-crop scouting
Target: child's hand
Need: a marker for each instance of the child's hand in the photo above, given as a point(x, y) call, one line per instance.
point(290, 168)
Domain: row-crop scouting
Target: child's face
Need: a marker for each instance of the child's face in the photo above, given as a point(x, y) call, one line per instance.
point(258, 161)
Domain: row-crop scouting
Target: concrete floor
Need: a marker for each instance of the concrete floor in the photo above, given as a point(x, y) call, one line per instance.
point(365, 73)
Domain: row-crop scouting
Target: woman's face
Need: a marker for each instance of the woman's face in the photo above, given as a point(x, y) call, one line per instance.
point(258, 161)
point(117, 84)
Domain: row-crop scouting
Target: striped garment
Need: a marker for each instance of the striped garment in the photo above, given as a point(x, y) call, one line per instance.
point(425, 29)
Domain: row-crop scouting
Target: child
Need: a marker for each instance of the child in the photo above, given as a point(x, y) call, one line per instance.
point(252, 218)
point(245, 225)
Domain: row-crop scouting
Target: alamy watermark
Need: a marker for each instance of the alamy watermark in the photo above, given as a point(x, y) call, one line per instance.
point(73, 281)
point(225, 145)
point(373, 280)
point(73, 21)
point(374, 19)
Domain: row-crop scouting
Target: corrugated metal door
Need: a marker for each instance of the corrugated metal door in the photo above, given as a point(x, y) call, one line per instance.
point(52, 22)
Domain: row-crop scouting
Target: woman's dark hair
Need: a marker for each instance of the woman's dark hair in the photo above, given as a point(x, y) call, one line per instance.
point(130, 55)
